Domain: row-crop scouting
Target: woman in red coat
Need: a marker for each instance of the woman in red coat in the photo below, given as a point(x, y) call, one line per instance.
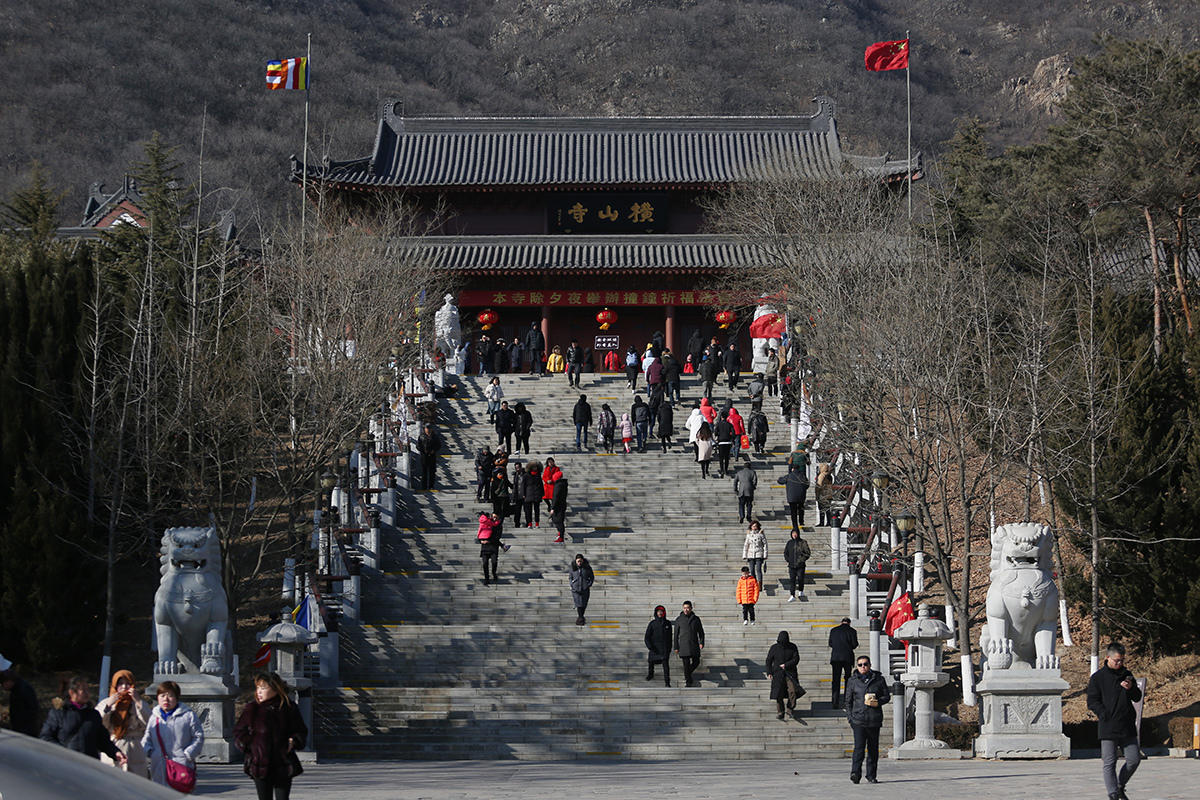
point(269, 732)
point(550, 474)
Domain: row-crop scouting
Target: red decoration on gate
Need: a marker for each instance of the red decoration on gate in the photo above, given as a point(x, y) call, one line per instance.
point(726, 318)
point(606, 318)
point(487, 318)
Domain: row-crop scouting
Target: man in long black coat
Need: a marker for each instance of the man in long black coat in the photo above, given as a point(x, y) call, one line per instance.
point(689, 641)
point(732, 361)
point(535, 349)
point(782, 660)
point(843, 641)
point(866, 693)
point(506, 425)
point(429, 444)
point(671, 370)
point(658, 642)
point(1111, 693)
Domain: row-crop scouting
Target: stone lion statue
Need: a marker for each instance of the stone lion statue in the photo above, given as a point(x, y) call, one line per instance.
point(1022, 601)
point(191, 611)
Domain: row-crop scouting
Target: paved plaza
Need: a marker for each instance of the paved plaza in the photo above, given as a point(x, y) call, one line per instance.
point(1156, 779)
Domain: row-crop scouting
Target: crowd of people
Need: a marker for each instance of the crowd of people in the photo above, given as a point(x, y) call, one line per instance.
point(150, 732)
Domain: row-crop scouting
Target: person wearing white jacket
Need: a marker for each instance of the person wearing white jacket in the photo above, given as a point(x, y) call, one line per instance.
point(693, 423)
point(493, 392)
point(174, 733)
point(754, 550)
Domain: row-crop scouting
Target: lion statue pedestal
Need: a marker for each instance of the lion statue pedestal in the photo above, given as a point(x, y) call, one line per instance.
point(1021, 690)
point(192, 637)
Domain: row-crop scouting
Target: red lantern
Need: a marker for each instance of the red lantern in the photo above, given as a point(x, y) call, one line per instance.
point(487, 318)
point(726, 318)
point(606, 318)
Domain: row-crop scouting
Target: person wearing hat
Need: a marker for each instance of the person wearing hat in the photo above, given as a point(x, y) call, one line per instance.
point(658, 642)
point(23, 709)
point(843, 641)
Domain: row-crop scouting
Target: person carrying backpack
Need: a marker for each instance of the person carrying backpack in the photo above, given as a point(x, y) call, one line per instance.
point(632, 368)
point(607, 427)
point(488, 536)
point(796, 553)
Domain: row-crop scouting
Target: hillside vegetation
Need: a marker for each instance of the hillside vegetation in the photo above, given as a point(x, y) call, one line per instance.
point(85, 88)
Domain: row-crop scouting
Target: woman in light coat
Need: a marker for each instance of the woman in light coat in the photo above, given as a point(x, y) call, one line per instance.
point(125, 714)
point(693, 423)
point(704, 448)
point(180, 732)
point(754, 550)
point(493, 392)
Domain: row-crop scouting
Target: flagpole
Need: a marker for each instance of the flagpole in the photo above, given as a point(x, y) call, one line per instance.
point(908, 93)
point(304, 159)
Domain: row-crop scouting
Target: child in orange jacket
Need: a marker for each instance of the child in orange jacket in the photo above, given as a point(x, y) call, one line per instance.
point(747, 595)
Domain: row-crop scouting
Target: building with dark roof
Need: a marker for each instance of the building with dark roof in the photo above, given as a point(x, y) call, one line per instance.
point(554, 219)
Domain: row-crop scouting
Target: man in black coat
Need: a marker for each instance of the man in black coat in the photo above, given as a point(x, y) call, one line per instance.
point(574, 363)
point(581, 415)
point(671, 371)
point(535, 349)
point(796, 486)
point(506, 425)
point(732, 361)
point(483, 353)
point(1111, 693)
point(723, 433)
point(843, 641)
point(710, 368)
point(639, 415)
point(23, 707)
point(429, 444)
point(796, 553)
point(689, 641)
point(658, 642)
point(666, 425)
point(866, 693)
point(558, 508)
point(745, 481)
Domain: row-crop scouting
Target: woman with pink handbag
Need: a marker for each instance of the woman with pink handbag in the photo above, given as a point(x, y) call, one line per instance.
point(173, 740)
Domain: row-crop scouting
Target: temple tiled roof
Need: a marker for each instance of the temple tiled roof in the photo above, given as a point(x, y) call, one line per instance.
point(443, 152)
point(586, 254)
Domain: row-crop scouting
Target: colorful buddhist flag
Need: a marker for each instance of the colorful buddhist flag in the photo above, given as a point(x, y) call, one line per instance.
point(290, 73)
point(887, 55)
point(300, 614)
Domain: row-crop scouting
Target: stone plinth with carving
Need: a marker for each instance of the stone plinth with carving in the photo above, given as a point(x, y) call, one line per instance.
point(1021, 713)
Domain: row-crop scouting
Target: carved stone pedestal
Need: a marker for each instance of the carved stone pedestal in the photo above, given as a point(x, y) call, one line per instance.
point(211, 697)
point(1022, 714)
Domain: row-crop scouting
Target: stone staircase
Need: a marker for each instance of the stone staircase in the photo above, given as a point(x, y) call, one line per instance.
point(444, 667)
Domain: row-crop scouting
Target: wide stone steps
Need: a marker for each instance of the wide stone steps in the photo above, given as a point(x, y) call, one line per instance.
point(445, 667)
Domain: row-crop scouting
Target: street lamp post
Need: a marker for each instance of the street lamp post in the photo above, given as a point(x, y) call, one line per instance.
point(906, 523)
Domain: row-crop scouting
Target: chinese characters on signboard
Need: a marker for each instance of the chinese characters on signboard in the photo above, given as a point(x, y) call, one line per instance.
point(608, 343)
point(607, 213)
point(488, 297)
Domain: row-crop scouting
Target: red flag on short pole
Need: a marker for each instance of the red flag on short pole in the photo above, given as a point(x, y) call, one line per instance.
point(887, 55)
point(262, 659)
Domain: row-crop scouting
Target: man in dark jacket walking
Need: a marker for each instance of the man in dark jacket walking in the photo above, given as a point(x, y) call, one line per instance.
point(689, 641)
point(796, 553)
point(866, 693)
point(429, 444)
point(723, 433)
point(732, 361)
point(745, 481)
point(574, 363)
point(22, 700)
point(535, 349)
point(709, 369)
point(639, 415)
point(581, 415)
point(658, 642)
point(843, 641)
point(1111, 693)
point(671, 370)
point(796, 486)
point(558, 508)
point(506, 425)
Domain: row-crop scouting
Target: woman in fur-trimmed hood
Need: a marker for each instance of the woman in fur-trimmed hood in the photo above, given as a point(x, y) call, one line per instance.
point(125, 715)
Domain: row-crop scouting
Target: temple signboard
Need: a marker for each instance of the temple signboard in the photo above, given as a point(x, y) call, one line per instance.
point(599, 297)
point(607, 212)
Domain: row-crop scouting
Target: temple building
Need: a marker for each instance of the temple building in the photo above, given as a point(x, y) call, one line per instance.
point(552, 220)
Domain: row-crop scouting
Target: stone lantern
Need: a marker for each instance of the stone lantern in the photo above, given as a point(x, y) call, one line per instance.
point(288, 642)
point(923, 673)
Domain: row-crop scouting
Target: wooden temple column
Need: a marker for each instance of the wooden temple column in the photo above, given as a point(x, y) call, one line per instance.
point(670, 328)
point(546, 329)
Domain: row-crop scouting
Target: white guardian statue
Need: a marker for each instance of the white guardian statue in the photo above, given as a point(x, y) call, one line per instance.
point(191, 611)
point(1022, 601)
point(448, 333)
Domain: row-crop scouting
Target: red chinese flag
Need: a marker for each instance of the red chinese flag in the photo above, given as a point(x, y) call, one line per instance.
point(900, 613)
point(887, 55)
point(768, 326)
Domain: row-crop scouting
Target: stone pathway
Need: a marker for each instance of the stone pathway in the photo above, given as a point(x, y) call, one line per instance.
point(1156, 779)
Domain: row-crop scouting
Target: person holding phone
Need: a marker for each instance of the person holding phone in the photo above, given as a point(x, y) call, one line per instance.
point(1111, 693)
